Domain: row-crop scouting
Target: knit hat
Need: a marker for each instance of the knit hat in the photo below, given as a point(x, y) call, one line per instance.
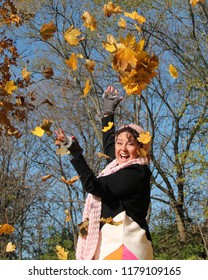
point(139, 130)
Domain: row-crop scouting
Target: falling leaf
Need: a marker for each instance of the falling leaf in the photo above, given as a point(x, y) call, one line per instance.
point(38, 131)
point(142, 152)
point(72, 62)
point(61, 253)
point(10, 87)
point(48, 72)
point(26, 74)
point(71, 36)
point(111, 221)
point(47, 30)
point(89, 21)
point(46, 125)
point(62, 150)
point(135, 16)
point(46, 177)
point(173, 71)
point(87, 87)
point(195, 2)
point(6, 229)
point(68, 216)
point(110, 9)
point(70, 181)
point(10, 247)
point(83, 228)
point(144, 137)
point(122, 23)
point(102, 155)
point(90, 65)
point(106, 128)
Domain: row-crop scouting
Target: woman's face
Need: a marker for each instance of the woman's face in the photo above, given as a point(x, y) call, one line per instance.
point(126, 147)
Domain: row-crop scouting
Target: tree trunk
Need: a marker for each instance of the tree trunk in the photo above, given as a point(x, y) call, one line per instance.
point(180, 221)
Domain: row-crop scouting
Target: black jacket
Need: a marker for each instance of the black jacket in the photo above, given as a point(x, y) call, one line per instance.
point(127, 189)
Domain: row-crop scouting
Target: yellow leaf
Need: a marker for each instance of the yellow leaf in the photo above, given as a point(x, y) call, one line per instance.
point(6, 229)
point(68, 216)
point(46, 177)
point(47, 30)
point(144, 137)
point(38, 131)
point(90, 65)
point(89, 21)
point(87, 87)
point(173, 71)
point(106, 128)
point(110, 9)
point(111, 221)
point(10, 87)
point(46, 125)
point(135, 16)
point(10, 247)
point(61, 253)
point(72, 62)
point(122, 23)
point(62, 151)
point(102, 155)
point(26, 74)
point(195, 2)
point(71, 36)
point(123, 57)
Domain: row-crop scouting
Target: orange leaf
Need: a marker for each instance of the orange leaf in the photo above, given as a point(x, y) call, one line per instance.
point(83, 228)
point(195, 2)
point(72, 62)
point(102, 155)
point(46, 177)
point(122, 23)
point(70, 181)
point(89, 21)
point(90, 65)
point(173, 71)
point(71, 36)
point(110, 9)
point(6, 229)
point(87, 87)
point(135, 16)
point(26, 74)
point(47, 30)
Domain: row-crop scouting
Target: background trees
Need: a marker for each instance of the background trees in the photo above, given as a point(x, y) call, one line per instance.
point(173, 110)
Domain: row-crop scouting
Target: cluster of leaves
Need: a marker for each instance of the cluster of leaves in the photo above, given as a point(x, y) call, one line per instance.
point(12, 106)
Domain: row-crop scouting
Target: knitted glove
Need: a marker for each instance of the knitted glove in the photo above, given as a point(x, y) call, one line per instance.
point(73, 146)
point(111, 100)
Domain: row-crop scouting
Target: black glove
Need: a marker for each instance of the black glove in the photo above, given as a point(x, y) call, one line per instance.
point(73, 146)
point(111, 100)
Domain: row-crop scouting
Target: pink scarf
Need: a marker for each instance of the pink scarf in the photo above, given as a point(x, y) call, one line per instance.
point(86, 246)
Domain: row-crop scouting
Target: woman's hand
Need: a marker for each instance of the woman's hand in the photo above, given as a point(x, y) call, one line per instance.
point(60, 137)
point(111, 100)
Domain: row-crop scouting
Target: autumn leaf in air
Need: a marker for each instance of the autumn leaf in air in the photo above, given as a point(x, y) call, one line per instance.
point(61, 253)
point(70, 181)
point(144, 137)
point(6, 229)
point(10, 247)
point(110, 9)
point(173, 71)
point(46, 177)
point(71, 36)
point(47, 30)
point(122, 23)
point(26, 74)
point(195, 2)
point(87, 87)
point(48, 72)
point(90, 65)
point(68, 216)
point(44, 128)
point(10, 87)
point(72, 62)
point(89, 21)
point(102, 155)
point(83, 228)
point(62, 150)
point(106, 128)
point(140, 19)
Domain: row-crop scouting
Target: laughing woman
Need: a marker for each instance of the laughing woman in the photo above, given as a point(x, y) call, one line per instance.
point(118, 198)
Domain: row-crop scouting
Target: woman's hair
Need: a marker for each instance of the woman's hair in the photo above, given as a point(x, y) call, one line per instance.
point(131, 131)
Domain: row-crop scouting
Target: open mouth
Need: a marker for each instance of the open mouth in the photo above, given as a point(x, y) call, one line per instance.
point(124, 157)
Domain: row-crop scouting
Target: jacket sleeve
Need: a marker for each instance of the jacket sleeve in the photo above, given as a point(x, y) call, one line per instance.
point(132, 179)
point(108, 138)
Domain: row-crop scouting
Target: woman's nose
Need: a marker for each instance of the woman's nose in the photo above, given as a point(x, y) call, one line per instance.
point(123, 147)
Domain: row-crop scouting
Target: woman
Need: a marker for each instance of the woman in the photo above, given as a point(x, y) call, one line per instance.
point(114, 217)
